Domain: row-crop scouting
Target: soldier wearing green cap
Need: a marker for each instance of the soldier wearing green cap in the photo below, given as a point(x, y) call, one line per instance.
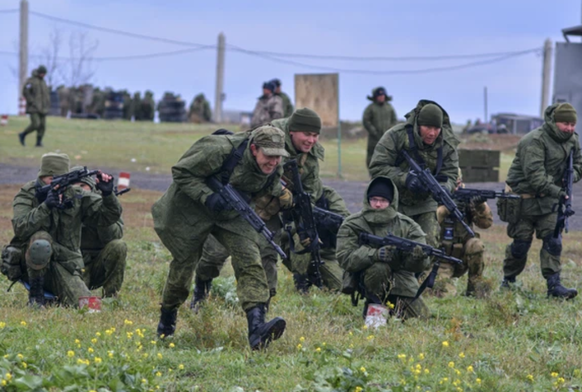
point(427, 137)
point(536, 175)
point(379, 117)
point(38, 104)
point(45, 250)
point(104, 252)
point(190, 211)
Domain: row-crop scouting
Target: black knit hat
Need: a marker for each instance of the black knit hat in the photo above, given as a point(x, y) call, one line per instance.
point(269, 86)
point(381, 187)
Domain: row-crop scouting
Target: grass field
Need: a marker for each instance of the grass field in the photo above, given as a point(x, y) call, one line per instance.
point(505, 341)
point(156, 147)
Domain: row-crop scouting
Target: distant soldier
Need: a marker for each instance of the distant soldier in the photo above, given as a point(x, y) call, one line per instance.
point(268, 108)
point(38, 104)
point(536, 175)
point(126, 104)
point(148, 106)
point(136, 106)
point(64, 104)
point(379, 117)
point(200, 110)
point(287, 105)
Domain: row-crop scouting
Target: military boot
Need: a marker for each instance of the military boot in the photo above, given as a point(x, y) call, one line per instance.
point(302, 283)
point(261, 333)
point(167, 324)
point(36, 293)
point(555, 288)
point(39, 141)
point(201, 291)
point(21, 137)
point(508, 282)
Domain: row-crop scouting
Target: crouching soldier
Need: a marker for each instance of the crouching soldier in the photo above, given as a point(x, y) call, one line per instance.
point(384, 275)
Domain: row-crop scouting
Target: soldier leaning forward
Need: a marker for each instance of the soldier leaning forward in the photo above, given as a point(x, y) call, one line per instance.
point(190, 211)
point(384, 275)
point(378, 117)
point(536, 175)
point(47, 236)
point(104, 252)
point(426, 136)
point(457, 243)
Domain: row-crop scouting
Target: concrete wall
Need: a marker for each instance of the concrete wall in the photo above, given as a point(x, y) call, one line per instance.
point(319, 92)
point(568, 76)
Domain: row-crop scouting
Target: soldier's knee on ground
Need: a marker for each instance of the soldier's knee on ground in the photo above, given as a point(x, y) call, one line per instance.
point(519, 248)
point(39, 254)
point(552, 245)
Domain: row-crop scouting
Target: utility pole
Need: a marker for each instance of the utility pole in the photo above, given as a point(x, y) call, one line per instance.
point(219, 95)
point(23, 53)
point(486, 118)
point(546, 75)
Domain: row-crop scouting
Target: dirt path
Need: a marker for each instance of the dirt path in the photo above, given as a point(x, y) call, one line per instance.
point(351, 191)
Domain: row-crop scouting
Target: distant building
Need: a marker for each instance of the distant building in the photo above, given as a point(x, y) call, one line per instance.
point(516, 123)
point(236, 117)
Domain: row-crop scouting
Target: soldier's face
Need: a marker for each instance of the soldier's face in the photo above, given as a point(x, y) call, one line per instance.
point(566, 127)
point(267, 163)
point(381, 98)
point(41, 75)
point(267, 92)
point(47, 179)
point(429, 134)
point(379, 203)
point(304, 141)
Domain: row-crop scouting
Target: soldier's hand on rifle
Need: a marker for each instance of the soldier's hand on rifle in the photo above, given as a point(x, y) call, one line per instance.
point(386, 253)
point(307, 241)
point(413, 183)
point(478, 200)
point(104, 184)
point(52, 199)
point(216, 203)
point(286, 199)
point(418, 254)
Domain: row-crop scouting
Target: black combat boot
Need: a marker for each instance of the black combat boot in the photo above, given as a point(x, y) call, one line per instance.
point(201, 291)
point(302, 283)
point(21, 137)
point(261, 333)
point(39, 141)
point(507, 282)
point(555, 288)
point(36, 293)
point(167, 324)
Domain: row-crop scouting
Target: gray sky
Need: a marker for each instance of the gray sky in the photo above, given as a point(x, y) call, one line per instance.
point(364, 28)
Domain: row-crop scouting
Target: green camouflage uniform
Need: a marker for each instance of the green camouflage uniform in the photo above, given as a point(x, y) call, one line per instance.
point(377, 119)
point(267, 109)
point(287, 105)
point(393, 281)
point(200, 110)
point(183, 222)
point(148, 107)
point(34, 221)
point(388, 162)
point(536, 174)
point(38, 103)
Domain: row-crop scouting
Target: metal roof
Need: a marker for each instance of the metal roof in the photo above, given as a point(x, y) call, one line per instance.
point(576, 30)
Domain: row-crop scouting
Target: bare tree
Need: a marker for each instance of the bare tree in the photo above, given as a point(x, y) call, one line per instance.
point(79, 68)
point(51, 59)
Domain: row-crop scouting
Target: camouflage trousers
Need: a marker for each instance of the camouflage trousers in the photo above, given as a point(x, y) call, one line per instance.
point(37, 123)
point(105, 268)
point(252, 287)
point(60, 279)
point(522, 234)
point(472, 255)
point(378, 281)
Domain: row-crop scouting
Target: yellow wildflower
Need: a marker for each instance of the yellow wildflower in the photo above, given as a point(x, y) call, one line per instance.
point(8, 376)
point(110, 354)
point(470, 369)
point(554, 374)
point(299, 346)
point(20, 356)
point(461, 355)
point(401, 356)
point(90, 349)
point(358, 389)
point(153, 342)
point(70, 354)
point(426, 371)
point(24, 365)
point(302, 339)
point(160, 356)
point(181, 367)
point(158, 374)
point(445, 344)
point(530, 377)
point(172, 345)
point(98, 360)
point(129, 335)
point(323, 344)
point(363, 369)
point(451, 364)
point(145, 355)
point(99, 333)
point(561, 380)
point(478, 381)
point(421, 356)
point(23, 323)
point(318, 350)
point(370, 337)
point(365, 327)
point(458, 372)
point(93, 340)
point(390, 305)
point(3, 383)
point(127, 322)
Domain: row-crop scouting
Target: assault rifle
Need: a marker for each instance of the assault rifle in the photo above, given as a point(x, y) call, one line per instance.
point(466, 194)
point(565, 204)
point(330, 220)
point(437, 191)
point(302, 215)
point(60, 183)
point(238, 203)
point(120, 192)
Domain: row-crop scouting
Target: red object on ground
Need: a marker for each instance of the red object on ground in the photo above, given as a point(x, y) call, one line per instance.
point(123, 181)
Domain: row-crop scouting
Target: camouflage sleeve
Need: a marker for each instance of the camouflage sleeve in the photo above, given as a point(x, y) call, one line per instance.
point(113, 232)
point(336, 203)
point(577, 161)
point(28, 219)
point(351, 256)
point(276, 110)
point(394, 118)
point(408, 263)
point(384, 159)
point(450, 168)
point(482, 215)
point(367, 120)
point(100, 211)
point(533, 166)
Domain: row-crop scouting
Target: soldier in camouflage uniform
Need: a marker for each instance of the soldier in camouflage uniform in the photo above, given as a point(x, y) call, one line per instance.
point(190, 211)
point(268, 108)
point(536, 175)
point(200, 110)
point(457, 243)
point(379, 117)
point(38, 104)
point(104, 252)
point(135, 109)
point(427, 137)
point(47, 238)
point(384, 275)
point(287, 105)
point(148, 106)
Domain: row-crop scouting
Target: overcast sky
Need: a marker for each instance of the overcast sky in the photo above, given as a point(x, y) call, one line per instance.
point(339, 27)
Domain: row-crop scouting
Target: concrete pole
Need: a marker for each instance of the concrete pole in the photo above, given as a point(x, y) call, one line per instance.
point(219, 79)
point(486, 117)
point(23, 53)
point(546, 75)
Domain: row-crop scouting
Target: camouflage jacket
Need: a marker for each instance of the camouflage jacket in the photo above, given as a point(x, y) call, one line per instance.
point(37, 95)
point(287, 105)
point(267, 109)
point(388, 161)
point(201, 109)
point(377, 119)
point(355, 258)
point(479, 215)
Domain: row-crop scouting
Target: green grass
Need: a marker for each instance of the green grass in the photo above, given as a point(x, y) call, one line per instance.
point(153, 147)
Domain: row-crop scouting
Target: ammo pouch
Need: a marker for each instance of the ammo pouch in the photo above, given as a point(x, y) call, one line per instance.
point(11, 263)
point(509, 210)
point(456, 250)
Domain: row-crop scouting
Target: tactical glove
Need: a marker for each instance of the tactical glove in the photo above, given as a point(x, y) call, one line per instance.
point(286, 199)
point(52, 199)
point(106, 188)
point(418, 254)
point(413, 183)
point(478, 200)
point(216, 203)
point(385, 254)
